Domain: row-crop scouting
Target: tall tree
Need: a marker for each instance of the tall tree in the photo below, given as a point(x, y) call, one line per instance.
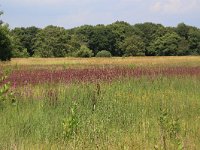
point(122, 31)
point(5, 43)
point(133, 46)
point(166, 45)
point(183, 47)
point(26, 37)
point(194, 40)
point(102, 38)
point(150, 32)
point(182, 30)
point(52, 41)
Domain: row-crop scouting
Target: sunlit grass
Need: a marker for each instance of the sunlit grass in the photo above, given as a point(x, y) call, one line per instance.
point(138, 61)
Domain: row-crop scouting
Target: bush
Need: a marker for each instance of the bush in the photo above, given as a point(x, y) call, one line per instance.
point(84, 52)
point(20, 54)
point(104, 53)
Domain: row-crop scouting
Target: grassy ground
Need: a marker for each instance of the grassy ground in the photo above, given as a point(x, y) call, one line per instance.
point(138, 61)
point(126, 113)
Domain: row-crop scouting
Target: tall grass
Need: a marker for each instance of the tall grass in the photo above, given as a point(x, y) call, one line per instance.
point(137, 61)
point(161, 113)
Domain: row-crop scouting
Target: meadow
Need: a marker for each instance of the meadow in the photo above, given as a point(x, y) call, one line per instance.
point(100, 103)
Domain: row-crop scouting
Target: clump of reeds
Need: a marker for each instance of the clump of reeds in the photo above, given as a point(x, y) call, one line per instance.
point(51, 97)
point(96, 96)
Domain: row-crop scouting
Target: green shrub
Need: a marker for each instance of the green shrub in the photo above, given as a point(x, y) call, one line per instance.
point(84, 52)
point(104, 53)
point(5, 92)
point(20, 54)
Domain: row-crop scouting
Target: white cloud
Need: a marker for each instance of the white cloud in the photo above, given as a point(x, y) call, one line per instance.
point(175, 6)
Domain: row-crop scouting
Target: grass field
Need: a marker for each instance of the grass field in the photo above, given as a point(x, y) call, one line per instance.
point(138, 61)
point(101, 103)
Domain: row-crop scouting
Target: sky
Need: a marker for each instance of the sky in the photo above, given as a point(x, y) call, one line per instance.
point(73, 13)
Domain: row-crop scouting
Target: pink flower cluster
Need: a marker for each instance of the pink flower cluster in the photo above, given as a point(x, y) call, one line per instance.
point(24, 77)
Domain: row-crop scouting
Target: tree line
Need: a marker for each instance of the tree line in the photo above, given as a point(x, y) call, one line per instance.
point(117, 39)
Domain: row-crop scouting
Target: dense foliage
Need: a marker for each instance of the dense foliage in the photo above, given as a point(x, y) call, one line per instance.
point(118, 39)
point(5, 42)
point(84, 52)
point(103, 53)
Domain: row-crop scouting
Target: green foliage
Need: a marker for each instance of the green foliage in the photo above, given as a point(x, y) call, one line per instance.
point(194, 41)
point(74, 45)
point(5, 93)
point(150, 31)
point(166, 45)
point(70, 123)
point(104, 53)
point(51, 42)
point(25, 38)
point(170, 129)
point(123, 30)
point(102, 38)
point(20, 54)
point(183, 48)
point(133, 46)
point(83, 33)
point(119, 38)
point(5, 44)
point(84, 52)
point(18, 50)
point(182, 30)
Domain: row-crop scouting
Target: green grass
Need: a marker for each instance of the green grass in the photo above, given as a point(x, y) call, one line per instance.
point(129, 114)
